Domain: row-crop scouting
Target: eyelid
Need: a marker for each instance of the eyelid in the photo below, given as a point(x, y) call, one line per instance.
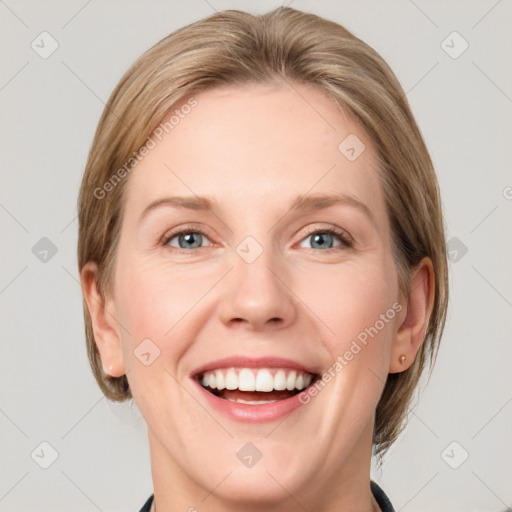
point(187, 228)
point(345, 237)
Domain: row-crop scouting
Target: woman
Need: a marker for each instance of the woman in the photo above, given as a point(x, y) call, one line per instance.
point(262, 257)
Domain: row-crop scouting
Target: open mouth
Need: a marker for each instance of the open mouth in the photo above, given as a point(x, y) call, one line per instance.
point(255, 386)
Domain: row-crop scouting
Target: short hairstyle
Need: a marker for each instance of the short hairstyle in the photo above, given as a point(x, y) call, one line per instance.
point(234, 47)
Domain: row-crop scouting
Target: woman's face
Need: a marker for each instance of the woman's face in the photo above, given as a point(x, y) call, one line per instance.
point(254, 283)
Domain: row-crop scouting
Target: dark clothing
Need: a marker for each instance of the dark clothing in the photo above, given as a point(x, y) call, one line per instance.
point(378, 494)
point(147, 505)
point(381, 498)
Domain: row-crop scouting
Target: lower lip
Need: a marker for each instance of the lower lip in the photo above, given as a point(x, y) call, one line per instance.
point(247, 413)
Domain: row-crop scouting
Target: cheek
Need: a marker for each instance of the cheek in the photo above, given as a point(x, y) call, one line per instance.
point(152, 297)
point(353, 301)
point(154, 302)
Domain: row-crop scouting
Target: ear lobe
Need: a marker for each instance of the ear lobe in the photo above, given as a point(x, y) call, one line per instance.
point(104, 324)
point(411, 333)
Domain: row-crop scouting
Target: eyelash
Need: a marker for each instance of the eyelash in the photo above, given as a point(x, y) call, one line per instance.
point(342, 235)
point(345, 239)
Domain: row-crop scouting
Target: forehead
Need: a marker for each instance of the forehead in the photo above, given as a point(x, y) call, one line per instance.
point(258, 145)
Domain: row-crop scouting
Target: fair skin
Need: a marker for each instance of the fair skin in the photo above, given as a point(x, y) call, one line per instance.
point(252, 150)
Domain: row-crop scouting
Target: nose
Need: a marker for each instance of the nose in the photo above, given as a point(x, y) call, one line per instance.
point(257, 295)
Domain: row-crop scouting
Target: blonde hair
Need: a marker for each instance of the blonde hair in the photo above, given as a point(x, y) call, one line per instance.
point(235, 47)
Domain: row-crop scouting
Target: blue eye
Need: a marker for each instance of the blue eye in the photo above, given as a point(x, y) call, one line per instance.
point(324, 239)
point(186, 239)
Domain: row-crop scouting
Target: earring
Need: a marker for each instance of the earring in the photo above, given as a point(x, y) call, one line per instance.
point(109, 370)
point(402, 358)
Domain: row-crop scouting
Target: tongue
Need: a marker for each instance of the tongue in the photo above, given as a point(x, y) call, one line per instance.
point(236, 394)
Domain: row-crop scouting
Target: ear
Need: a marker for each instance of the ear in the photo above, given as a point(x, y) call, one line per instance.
point(104, 324)
point(414, 322)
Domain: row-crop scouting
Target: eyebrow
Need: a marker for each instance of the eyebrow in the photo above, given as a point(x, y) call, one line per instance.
point(301, 203)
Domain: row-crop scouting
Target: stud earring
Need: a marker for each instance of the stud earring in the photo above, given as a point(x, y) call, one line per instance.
point(402, 359)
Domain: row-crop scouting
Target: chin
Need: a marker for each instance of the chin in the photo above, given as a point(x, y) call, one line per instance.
point(256, 486)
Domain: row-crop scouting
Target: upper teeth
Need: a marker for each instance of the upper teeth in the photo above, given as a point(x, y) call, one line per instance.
point(247, 379)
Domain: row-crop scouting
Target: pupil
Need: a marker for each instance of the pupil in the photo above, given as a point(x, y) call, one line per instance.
point(189, 239)
point(321, 239)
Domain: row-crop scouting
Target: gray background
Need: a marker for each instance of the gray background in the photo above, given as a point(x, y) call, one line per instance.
point(50, 108)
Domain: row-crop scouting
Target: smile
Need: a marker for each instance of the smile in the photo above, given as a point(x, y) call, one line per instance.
point(250, 393)
point(255, 386)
